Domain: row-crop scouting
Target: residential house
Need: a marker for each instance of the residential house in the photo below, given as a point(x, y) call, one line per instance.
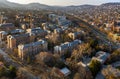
point(116, 37)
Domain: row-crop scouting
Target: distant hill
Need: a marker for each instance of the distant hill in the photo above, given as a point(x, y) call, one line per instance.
point(36, 6)
point(111, 4)
point(82, 6)
point(7, 4)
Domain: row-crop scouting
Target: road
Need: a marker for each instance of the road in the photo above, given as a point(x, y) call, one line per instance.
point(8, 59)
point(18, 66)
point(103, 37)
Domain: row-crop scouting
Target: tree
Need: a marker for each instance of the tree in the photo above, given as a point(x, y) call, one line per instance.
point(65, 37)
point(76, 56)
point(85, 75)
point(12, 72)
point(4, 78)
point(84, 72)
point(55, 38)
point(77, 76)
point(94, 66)
point(50, 45)
point(1, 58)
point(2, 71)
point(110, 72)
point(93, 43)
point(85, 49)
point(115, 56)
point(17, 24)
point(82, 50)
point(59, 64)
point(103, 47)
point(67, 54)
point(28, 59)
point(15, 52)
point(47, 58)
point(21, 75)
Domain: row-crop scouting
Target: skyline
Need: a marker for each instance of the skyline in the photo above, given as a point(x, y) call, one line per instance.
point(64, 2)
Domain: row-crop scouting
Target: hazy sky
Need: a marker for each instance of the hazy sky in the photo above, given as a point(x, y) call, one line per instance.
point(65, 2)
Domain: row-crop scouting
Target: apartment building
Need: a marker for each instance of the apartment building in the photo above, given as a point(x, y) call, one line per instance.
point(31, 49)
point(14, 40)
point(67, 46)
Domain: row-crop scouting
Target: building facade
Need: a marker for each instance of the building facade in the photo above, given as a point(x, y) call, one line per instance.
point(38, 32)
point(3, 35)
point(65, 47)
point(7, 27)
point(74, 35)
point(14, 40)
point(116, 26)
point(25, 50)
point(1, 19)
point(101, 56)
